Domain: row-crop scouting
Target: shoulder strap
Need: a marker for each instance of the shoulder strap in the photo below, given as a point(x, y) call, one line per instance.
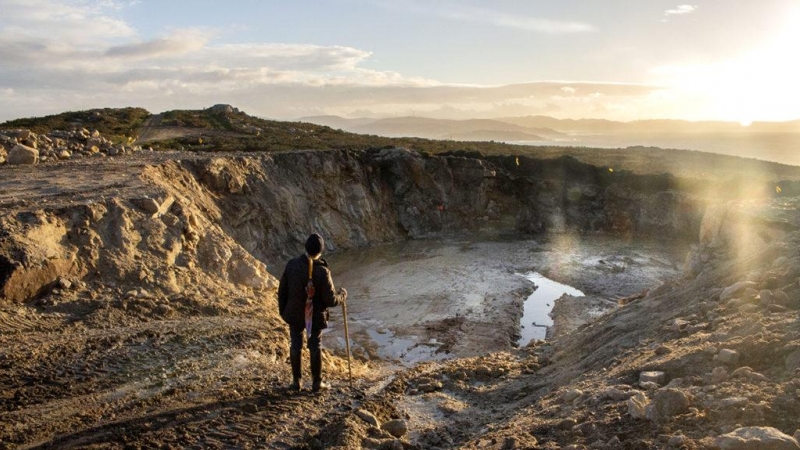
point(310, 267)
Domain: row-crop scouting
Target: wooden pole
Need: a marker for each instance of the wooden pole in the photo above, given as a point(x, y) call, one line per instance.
point(347, 342)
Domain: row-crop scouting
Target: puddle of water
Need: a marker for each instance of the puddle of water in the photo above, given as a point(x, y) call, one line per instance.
point(536, 313)
point(406, 351)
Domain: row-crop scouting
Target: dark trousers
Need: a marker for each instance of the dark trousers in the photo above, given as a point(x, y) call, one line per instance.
point(296, 334)
point(295, 354)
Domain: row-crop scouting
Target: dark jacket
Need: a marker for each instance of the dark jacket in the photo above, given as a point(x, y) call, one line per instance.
point(292, 292)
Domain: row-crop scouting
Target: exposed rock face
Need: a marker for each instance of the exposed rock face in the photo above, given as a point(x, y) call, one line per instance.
point(230, 216)
point(362, 198)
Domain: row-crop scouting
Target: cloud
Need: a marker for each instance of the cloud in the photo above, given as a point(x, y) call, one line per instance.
point(79, 23)
point(180, 42)
point(466, 13)
point(525, 23)
point(77, 54)
point(680, 10)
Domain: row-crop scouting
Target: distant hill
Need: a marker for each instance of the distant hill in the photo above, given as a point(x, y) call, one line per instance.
point(545, 127)
point(650, 126)
point(423, 127)
point(337, 122)
point(223, 128)
point(502, 136)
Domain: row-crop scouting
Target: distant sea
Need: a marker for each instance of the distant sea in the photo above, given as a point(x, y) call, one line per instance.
point(777, 147)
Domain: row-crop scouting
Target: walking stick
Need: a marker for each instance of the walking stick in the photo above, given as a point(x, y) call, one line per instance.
point(347, 342)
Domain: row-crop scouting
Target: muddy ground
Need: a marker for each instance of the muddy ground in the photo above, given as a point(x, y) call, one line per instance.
point(434, 299)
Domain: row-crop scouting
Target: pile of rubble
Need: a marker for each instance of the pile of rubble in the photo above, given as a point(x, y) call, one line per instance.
point(26, 147)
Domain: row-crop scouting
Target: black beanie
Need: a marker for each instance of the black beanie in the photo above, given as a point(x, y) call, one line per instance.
point(314, 245)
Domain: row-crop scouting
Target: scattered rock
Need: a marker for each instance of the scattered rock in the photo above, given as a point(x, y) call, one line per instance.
point(756, 438)
point(748, 373)
point(397, 428)
point(652, 377)
point(430, 386)
point(616, 394)
point(571, 395)
point(567, 424)
point(793, 361)
point(677, 441)
point(765, 297)
point(250, 408)
point(734, 289)
point(637, 405)
point(719, 375)
point(666, 404)
point(368, 417)
point(778, 296)
point(63, 283)
point(21, 154)
point(649, 386)
point(663, 350)
point(728, 356)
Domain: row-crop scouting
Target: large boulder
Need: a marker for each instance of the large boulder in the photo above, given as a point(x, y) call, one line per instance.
point(21, 154)
point(756, 438)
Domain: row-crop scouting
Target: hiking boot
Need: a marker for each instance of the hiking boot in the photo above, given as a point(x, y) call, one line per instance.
point(297, 371)
point(316, 372)
point(320, 385)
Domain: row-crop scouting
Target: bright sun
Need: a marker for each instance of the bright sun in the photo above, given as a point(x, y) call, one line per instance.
point(756, 85)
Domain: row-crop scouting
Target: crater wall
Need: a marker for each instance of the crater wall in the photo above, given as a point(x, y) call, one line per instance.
point(231, 221)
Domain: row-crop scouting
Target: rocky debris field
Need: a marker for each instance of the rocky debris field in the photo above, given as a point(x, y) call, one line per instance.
point(24, 147)
point(137, 307)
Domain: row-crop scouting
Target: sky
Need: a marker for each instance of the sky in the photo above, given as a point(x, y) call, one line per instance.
point(732, 60)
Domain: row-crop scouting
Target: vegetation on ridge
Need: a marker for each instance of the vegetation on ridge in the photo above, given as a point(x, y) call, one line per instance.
point(111, 122)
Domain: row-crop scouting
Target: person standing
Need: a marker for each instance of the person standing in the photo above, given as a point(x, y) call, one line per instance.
point(307, 278)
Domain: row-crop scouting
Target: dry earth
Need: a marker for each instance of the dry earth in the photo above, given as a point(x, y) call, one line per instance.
point(137, 308)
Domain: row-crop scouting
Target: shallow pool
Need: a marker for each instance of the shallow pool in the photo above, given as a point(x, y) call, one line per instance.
point(426, 300)
point(536, 310)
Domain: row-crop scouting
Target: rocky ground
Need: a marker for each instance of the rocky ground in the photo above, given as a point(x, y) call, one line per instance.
point(137, 307)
